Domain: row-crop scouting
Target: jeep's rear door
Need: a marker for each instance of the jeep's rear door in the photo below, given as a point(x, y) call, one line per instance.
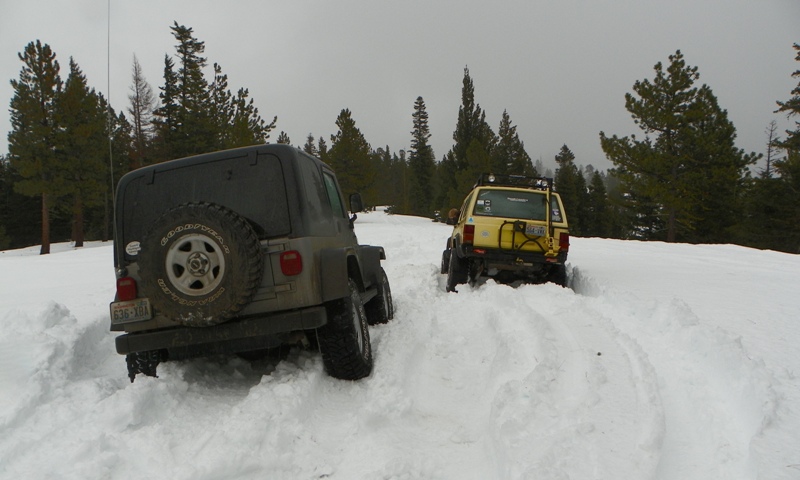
point(513, 219)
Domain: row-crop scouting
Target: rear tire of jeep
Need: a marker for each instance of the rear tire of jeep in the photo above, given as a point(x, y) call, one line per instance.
point(344, 340)
point(381, 308)
point(200, 264)
point(457, 272)
point(445, 266)
point(558, 275)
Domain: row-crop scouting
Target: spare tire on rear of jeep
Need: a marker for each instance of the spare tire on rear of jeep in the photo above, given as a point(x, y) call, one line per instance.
point(200, 264)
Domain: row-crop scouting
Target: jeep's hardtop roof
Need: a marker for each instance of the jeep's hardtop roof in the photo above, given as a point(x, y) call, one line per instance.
point(262, 183)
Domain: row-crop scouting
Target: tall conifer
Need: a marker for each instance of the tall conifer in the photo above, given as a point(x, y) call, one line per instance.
point(686, 155)
point(421, 162)
point(142, 104)
point(82, 147)
point(351, 156)
point(34, 128)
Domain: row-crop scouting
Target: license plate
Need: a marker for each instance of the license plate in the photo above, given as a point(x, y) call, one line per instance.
point(535, 230)
point(131, 311)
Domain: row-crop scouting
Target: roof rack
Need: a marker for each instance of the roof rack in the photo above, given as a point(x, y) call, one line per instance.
point(519, 181)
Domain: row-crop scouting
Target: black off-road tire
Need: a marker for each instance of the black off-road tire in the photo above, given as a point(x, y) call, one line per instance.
point(381, 308)
point(145, 363)
point(344, 340)
point(445, 266)
point(558, 275)
point(200, 264)
point(457, 272)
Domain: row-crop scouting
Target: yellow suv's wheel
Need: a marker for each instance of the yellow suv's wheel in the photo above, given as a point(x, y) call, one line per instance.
point(457, 272)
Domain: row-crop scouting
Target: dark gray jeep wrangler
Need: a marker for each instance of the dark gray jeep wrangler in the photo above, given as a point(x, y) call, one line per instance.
point(240, 251)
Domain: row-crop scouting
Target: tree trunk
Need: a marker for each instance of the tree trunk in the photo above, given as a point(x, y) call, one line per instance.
point(671, 225)
point(77, 221)
point(106, 218)
point(45, 227)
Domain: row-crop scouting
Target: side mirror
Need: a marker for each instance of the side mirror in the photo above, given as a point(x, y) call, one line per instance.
point(356, 204)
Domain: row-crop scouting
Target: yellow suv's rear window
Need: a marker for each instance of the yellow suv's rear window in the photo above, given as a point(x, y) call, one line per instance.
point(511, 204)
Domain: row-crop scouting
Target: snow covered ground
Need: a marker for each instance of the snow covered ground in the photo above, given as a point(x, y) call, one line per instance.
point(663, 361)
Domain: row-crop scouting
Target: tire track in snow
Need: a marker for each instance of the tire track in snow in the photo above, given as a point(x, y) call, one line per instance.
point(573, 415)
point(716, 399)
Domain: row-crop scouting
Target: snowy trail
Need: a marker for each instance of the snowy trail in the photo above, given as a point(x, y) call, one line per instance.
point(605, 380)
point(716, 398)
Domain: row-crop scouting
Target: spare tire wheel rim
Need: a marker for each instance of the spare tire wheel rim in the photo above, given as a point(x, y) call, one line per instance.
point(195, 264)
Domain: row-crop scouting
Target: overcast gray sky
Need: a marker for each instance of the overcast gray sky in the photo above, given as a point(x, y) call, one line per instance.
point(560, 67)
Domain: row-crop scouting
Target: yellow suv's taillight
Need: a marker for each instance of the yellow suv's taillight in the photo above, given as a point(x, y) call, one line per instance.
point(469, 233)
point(563, 242)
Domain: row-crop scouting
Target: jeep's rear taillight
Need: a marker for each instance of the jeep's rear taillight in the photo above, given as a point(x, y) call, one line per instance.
point(469, 233)
point(291, 263)
point(126, 289)
point(563, 242)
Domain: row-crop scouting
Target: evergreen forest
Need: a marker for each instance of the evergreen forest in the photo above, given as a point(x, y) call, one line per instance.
point(681, 179)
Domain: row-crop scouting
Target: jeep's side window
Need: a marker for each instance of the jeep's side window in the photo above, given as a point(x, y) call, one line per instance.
point(333, 195)
point(555, 209)
point(464, 212)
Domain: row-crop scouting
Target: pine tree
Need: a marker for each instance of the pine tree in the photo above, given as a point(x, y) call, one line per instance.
point(597, 220)
point(570, 185)
point(142, 104)
point(772, 217)
point(391, 179)
point(166, 117)
point(421, 163)
point(186, 121)
point(351, 157)
point(222, 109)
point(284, 138)
point(196, 116)
point(773, 146)
point(121, 148)
point(446, 195)
point(509, 153)
point(687, 154)
point(478, 162)
point(470, 122)
point(82, 147)
point(34, 128)
point(18, 212)
point(472, 132)
point(247, 126)
point(792, 108)
point(309, 146)
point(322, 149)
point(717, 171)
point(400, 169)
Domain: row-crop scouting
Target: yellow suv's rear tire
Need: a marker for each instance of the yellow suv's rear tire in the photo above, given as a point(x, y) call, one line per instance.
point(558, 275)
point(457, 271)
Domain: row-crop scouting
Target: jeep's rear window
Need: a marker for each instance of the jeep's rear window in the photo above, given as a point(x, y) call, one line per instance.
point(511, 204)
point(252, 187)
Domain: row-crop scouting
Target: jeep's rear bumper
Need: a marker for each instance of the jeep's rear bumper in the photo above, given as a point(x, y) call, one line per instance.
point(511, 259)
point(235, 336)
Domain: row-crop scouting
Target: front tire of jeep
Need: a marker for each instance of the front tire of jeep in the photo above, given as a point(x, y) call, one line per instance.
point(200, 264)
point(344, 340)
point(381, 308)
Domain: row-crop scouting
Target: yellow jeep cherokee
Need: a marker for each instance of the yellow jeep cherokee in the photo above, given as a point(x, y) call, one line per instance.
point(506, 231)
